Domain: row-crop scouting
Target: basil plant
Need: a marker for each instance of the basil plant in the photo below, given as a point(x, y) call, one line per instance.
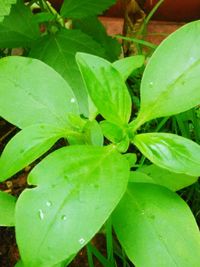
point(75, 189)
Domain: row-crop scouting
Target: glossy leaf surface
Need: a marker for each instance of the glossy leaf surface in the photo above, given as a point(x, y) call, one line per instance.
point(127, 65)
point(171, 83)
point(5, 6)
point(171, 180)
point(31, 92)
point(26, 146)
point(106, 88)
point(71, 182)
point(159, 228)
point(59, 51)
point(84, 8)
point(20, 28)
point(7, 209)
point(170, 151)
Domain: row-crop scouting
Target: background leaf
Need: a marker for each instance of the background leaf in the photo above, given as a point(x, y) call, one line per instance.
point(76, 9)
point(5, 6)
point(173, 181)
point(59, 51)
point(126, 66)
point(106, 88)
point(71, 182)
point(170, 151)
point(171, 83)
point(31, 92)
point(94, 28)
point(7, 209)
point(159, 228)
point(19, 29)
point(26, 146)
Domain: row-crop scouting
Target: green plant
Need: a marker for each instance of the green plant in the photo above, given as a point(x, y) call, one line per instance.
point(77, 188)
point(55, 37)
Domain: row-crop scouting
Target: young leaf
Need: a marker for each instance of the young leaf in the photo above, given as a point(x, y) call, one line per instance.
point(5, 6)
point(173, 181)
point(156, 227)
point(31, 92)
point(94, 28)
point(59, 51)
point(20, 28)
point(71, 182)
point(106, 88)
point(76, 9)
point(112, 131)
point(25, 147)
point(170, 151)
point(170, 83)
point(127, 65)
point(7, 209)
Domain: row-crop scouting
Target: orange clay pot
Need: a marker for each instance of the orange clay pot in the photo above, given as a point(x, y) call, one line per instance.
point(170, 10)
point(175, 10)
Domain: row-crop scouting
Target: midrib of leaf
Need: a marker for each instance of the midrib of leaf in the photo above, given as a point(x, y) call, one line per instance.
point(34, 98)
point(53, 137)
point(180, 154)
point(148, 111)
point(73, 190)
point(152, 226)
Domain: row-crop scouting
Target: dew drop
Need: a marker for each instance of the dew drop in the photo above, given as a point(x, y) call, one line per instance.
point(73, 100)
point(142, 212)
point(192, 59)
point(64, 217)
point(151, 84)
point(41, 214)
point(81, 241)
point(49, 203)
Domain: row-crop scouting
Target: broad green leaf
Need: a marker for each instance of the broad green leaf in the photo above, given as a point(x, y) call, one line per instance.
point(7, 209)
point(106, 88)
point(59, 51)
point(156, 228)
point(20, 28)
point(26, 146)
point(170, 151)
point(94, 28)
point(5, 6)
point(31, 92)
point(127, 65)
point(172, 180)
point(171, 83)
point(71, 182)
point(81, 9)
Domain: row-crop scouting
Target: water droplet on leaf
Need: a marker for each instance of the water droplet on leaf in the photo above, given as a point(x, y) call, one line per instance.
point(151, 84)
point(48, 203)
point(64, 217)
point(41, 214)
point(73, 100)
point(81, 241)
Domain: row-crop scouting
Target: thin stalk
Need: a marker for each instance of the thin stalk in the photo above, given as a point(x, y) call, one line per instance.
point(109, 241)
point(89, 256)
point(160, 125)
point(149, 16)
point(138, 41)
point(98, 255)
